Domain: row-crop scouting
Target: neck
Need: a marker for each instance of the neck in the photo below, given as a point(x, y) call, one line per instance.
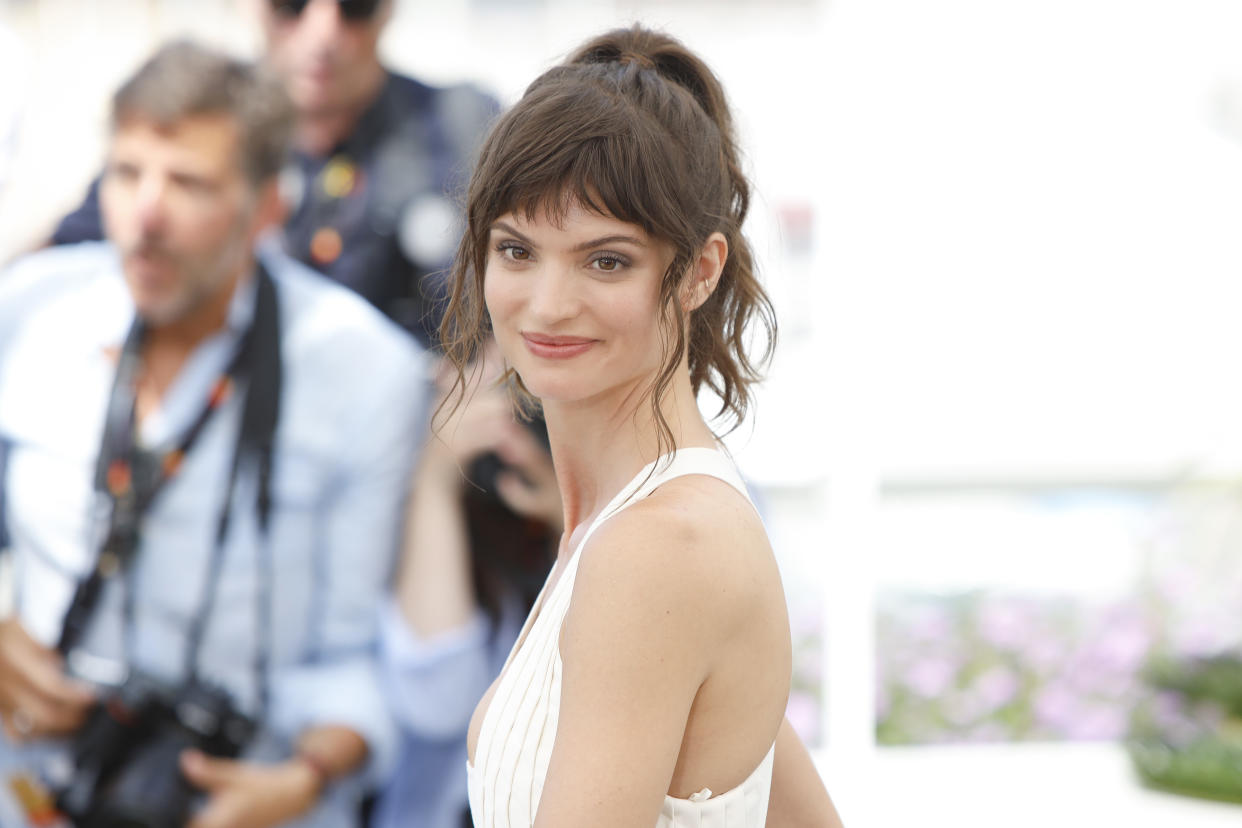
point(319, 132)
point(205, 319)
point(168, 346)
point(599, 445)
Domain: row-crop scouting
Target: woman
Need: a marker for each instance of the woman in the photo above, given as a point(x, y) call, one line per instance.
point(604, 250)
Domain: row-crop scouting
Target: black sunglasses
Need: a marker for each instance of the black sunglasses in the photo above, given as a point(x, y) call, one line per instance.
point(353, 10)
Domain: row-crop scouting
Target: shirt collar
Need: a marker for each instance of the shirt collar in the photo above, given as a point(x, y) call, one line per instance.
point(375, 122)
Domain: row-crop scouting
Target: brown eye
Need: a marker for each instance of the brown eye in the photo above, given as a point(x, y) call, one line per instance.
point(608, 263)
point(513, 251)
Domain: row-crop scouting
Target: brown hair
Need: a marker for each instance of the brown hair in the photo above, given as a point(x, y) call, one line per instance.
point(635, 126)
point(184, 79)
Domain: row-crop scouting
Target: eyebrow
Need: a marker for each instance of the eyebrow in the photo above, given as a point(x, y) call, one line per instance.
point(578, 248)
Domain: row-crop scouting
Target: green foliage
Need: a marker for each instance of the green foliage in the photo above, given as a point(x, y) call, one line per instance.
point(1186, 734)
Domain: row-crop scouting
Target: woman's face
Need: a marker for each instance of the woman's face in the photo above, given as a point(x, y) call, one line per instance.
point(575, 304)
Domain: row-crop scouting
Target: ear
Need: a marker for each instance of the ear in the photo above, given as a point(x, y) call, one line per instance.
point(705, 272)
point(384, 14)
point(269, 208)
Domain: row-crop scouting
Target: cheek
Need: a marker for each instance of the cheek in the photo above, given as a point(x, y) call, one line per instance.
point(113, 208)
point(283, 53)
point(364, 42)
point(652, 335)
point(213, 223)
point(498, 296)
point(640, 312)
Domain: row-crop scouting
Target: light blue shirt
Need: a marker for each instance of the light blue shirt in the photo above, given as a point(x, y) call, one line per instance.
point(433, 686)
point(352, 415)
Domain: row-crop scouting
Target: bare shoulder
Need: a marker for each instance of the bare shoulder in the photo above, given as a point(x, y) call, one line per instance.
point(693, 554)
point(665, 649)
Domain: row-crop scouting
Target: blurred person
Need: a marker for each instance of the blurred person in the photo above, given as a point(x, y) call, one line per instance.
point(603, 248)
point(481, 529)
point(377, 158)
point(13, 63)
point(209, 447)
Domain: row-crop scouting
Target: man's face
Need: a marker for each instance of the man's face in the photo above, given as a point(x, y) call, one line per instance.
point(180, 211)
point(326, 59)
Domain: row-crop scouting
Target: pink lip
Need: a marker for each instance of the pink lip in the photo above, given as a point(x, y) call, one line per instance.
point(556, 347)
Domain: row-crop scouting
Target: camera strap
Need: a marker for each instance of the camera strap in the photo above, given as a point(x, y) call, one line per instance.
point(131, 477)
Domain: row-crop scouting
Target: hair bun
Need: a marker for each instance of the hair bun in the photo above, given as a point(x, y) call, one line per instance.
point(629, 58)
point(668, 57)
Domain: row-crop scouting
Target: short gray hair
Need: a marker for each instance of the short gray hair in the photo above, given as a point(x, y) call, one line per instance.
point(184, 79)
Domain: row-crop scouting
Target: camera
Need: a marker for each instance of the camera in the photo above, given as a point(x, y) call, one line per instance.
point(125, 759)
point(483, 470)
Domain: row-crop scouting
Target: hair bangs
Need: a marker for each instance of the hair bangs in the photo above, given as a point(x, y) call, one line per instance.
point(613, 168)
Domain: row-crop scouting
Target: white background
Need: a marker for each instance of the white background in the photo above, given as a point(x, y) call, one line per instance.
point(1023, 268)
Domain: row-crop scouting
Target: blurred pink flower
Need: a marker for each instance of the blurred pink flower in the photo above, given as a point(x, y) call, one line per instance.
point(930, 676)
point(1004, 623)
point(996, 687)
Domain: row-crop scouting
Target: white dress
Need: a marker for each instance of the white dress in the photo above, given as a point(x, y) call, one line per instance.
point(519, 726)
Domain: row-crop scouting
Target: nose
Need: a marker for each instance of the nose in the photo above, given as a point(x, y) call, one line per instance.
point(150, 205)
point(321, 23)
point(553, 295)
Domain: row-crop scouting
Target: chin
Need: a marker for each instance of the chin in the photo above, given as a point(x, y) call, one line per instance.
point(316, 94)
point(158, 311)
point(570, 387)
point(552, 389)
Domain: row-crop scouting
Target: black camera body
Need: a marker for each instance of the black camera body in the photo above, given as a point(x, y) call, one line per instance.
point(126, 771)
point(483, 470)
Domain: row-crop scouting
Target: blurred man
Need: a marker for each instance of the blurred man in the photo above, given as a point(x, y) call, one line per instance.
point(198, 578)
point(377, 159)
point(13, 63)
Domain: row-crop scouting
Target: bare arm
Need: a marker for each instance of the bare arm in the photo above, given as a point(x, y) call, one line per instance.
point(799, 799)
point(435, 586)
point(435, 590)
point(631, 667)
point(661, 600)
point(252, 795)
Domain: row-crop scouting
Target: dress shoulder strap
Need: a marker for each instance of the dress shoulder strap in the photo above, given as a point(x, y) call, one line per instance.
point(679, 463)
point(694, 460)
point(685, 461)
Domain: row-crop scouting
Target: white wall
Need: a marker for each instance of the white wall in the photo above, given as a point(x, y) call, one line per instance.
point(1024, 262)
point(1029, 231)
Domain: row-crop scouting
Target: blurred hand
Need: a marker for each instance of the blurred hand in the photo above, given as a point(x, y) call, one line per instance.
point(527, 485)
point(473, 428)
point(37, 700)
point(484, 423)
point(247, 794)
point(436, 589)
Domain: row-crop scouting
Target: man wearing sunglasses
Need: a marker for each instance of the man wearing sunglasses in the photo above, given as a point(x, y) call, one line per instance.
point(376, 163)
point(326, 51)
